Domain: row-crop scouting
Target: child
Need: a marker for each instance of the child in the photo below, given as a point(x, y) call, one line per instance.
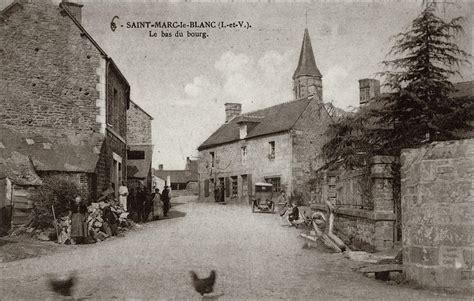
point(294, 214)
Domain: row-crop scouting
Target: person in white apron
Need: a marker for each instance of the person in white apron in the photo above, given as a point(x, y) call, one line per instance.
point(123, 193)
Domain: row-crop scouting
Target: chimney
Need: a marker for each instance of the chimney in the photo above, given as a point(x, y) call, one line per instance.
point(369, 88)
point(74, 9)
point(232, 110)
point(160, 167)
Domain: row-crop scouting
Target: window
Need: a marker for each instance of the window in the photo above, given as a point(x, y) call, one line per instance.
point(136, 155)
point(271, 150)
point(213, 158)
point(243, 131)
point(244, 185)
point(243, 153)
point(234, 186)
point(276, 182)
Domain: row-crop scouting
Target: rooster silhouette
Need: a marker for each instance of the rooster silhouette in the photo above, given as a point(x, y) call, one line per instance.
point(205, 285)
point(63, 287)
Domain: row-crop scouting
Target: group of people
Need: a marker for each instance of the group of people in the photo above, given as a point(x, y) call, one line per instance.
point(144, 207)
point(140, 205)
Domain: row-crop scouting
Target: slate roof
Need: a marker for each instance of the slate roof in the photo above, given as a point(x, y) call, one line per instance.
point(18, 168)
point(177, 176)
point(53, 150)
point(307, 63)
point(275, 119)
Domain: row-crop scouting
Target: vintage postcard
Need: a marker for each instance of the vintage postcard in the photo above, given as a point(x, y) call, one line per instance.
point(310, 150)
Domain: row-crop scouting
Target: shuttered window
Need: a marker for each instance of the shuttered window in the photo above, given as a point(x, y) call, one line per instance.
point(206, 188)
point(227, 187)
point(250, 186)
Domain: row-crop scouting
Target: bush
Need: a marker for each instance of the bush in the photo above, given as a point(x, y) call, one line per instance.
point(297, 197)
point(55, 191)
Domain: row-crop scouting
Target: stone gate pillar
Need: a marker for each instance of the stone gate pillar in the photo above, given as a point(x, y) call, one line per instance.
point(438, 214)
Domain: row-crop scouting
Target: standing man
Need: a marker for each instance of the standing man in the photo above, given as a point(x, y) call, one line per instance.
point(140, 200)
point(165, 197)
point(123, 193)
point(132, 203)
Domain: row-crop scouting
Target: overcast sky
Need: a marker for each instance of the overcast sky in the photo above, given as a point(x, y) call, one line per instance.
point(184, 82)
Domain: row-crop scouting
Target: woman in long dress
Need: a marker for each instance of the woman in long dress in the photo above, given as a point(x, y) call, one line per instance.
point(78, 216)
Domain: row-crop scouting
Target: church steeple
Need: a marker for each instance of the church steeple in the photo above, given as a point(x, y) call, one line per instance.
point(307, 80)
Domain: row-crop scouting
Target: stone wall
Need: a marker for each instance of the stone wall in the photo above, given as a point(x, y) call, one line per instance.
point(438, 214)
point(54, 78)
point(113, 144)
point(49, 70)
point(308, 138)
point(365, 214)
point(138, 126)
point(84, 181)
point(117, 96)
point(258, 164)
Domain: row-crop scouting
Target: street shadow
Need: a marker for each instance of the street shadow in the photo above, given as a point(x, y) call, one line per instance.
point(177, 203)
point(174, 214)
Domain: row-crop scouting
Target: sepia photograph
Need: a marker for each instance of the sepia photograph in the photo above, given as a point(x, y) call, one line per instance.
point(236, 150)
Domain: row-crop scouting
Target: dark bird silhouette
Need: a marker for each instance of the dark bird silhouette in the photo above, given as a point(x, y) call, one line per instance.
point(204, 286)
point(63, 287)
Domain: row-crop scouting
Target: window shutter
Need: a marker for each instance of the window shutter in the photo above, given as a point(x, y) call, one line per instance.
point(206, 188)
point(227, 187)
point(249, 183)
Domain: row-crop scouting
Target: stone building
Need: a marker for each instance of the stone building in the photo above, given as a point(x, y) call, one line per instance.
point(279, 144)
point(140, 147)
point(59, 84)
point(179, 179)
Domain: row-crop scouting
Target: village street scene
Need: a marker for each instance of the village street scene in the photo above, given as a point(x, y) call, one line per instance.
point(236, 151)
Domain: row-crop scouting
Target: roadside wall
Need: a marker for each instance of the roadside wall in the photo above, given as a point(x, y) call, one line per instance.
point(438, 214)
point(365, 215)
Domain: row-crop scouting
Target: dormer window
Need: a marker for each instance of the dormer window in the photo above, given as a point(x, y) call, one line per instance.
point(243, 130)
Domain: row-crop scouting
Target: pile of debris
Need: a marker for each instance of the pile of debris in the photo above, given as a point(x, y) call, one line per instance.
point(105, 218)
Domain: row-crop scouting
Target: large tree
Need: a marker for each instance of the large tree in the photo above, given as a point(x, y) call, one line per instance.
point(420, 106)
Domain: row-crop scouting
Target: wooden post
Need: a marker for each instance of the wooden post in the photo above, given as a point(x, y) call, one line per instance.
point(55, 224)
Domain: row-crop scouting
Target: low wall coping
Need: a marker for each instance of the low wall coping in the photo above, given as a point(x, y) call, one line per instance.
point(383, 159)
point(367, 214)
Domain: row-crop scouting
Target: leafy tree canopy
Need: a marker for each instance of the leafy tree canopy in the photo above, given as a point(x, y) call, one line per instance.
point(420, 107)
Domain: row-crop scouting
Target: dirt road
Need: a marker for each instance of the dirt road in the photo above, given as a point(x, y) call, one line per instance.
point(255, 258)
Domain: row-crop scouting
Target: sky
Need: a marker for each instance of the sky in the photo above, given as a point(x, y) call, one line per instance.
point(184, 82)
